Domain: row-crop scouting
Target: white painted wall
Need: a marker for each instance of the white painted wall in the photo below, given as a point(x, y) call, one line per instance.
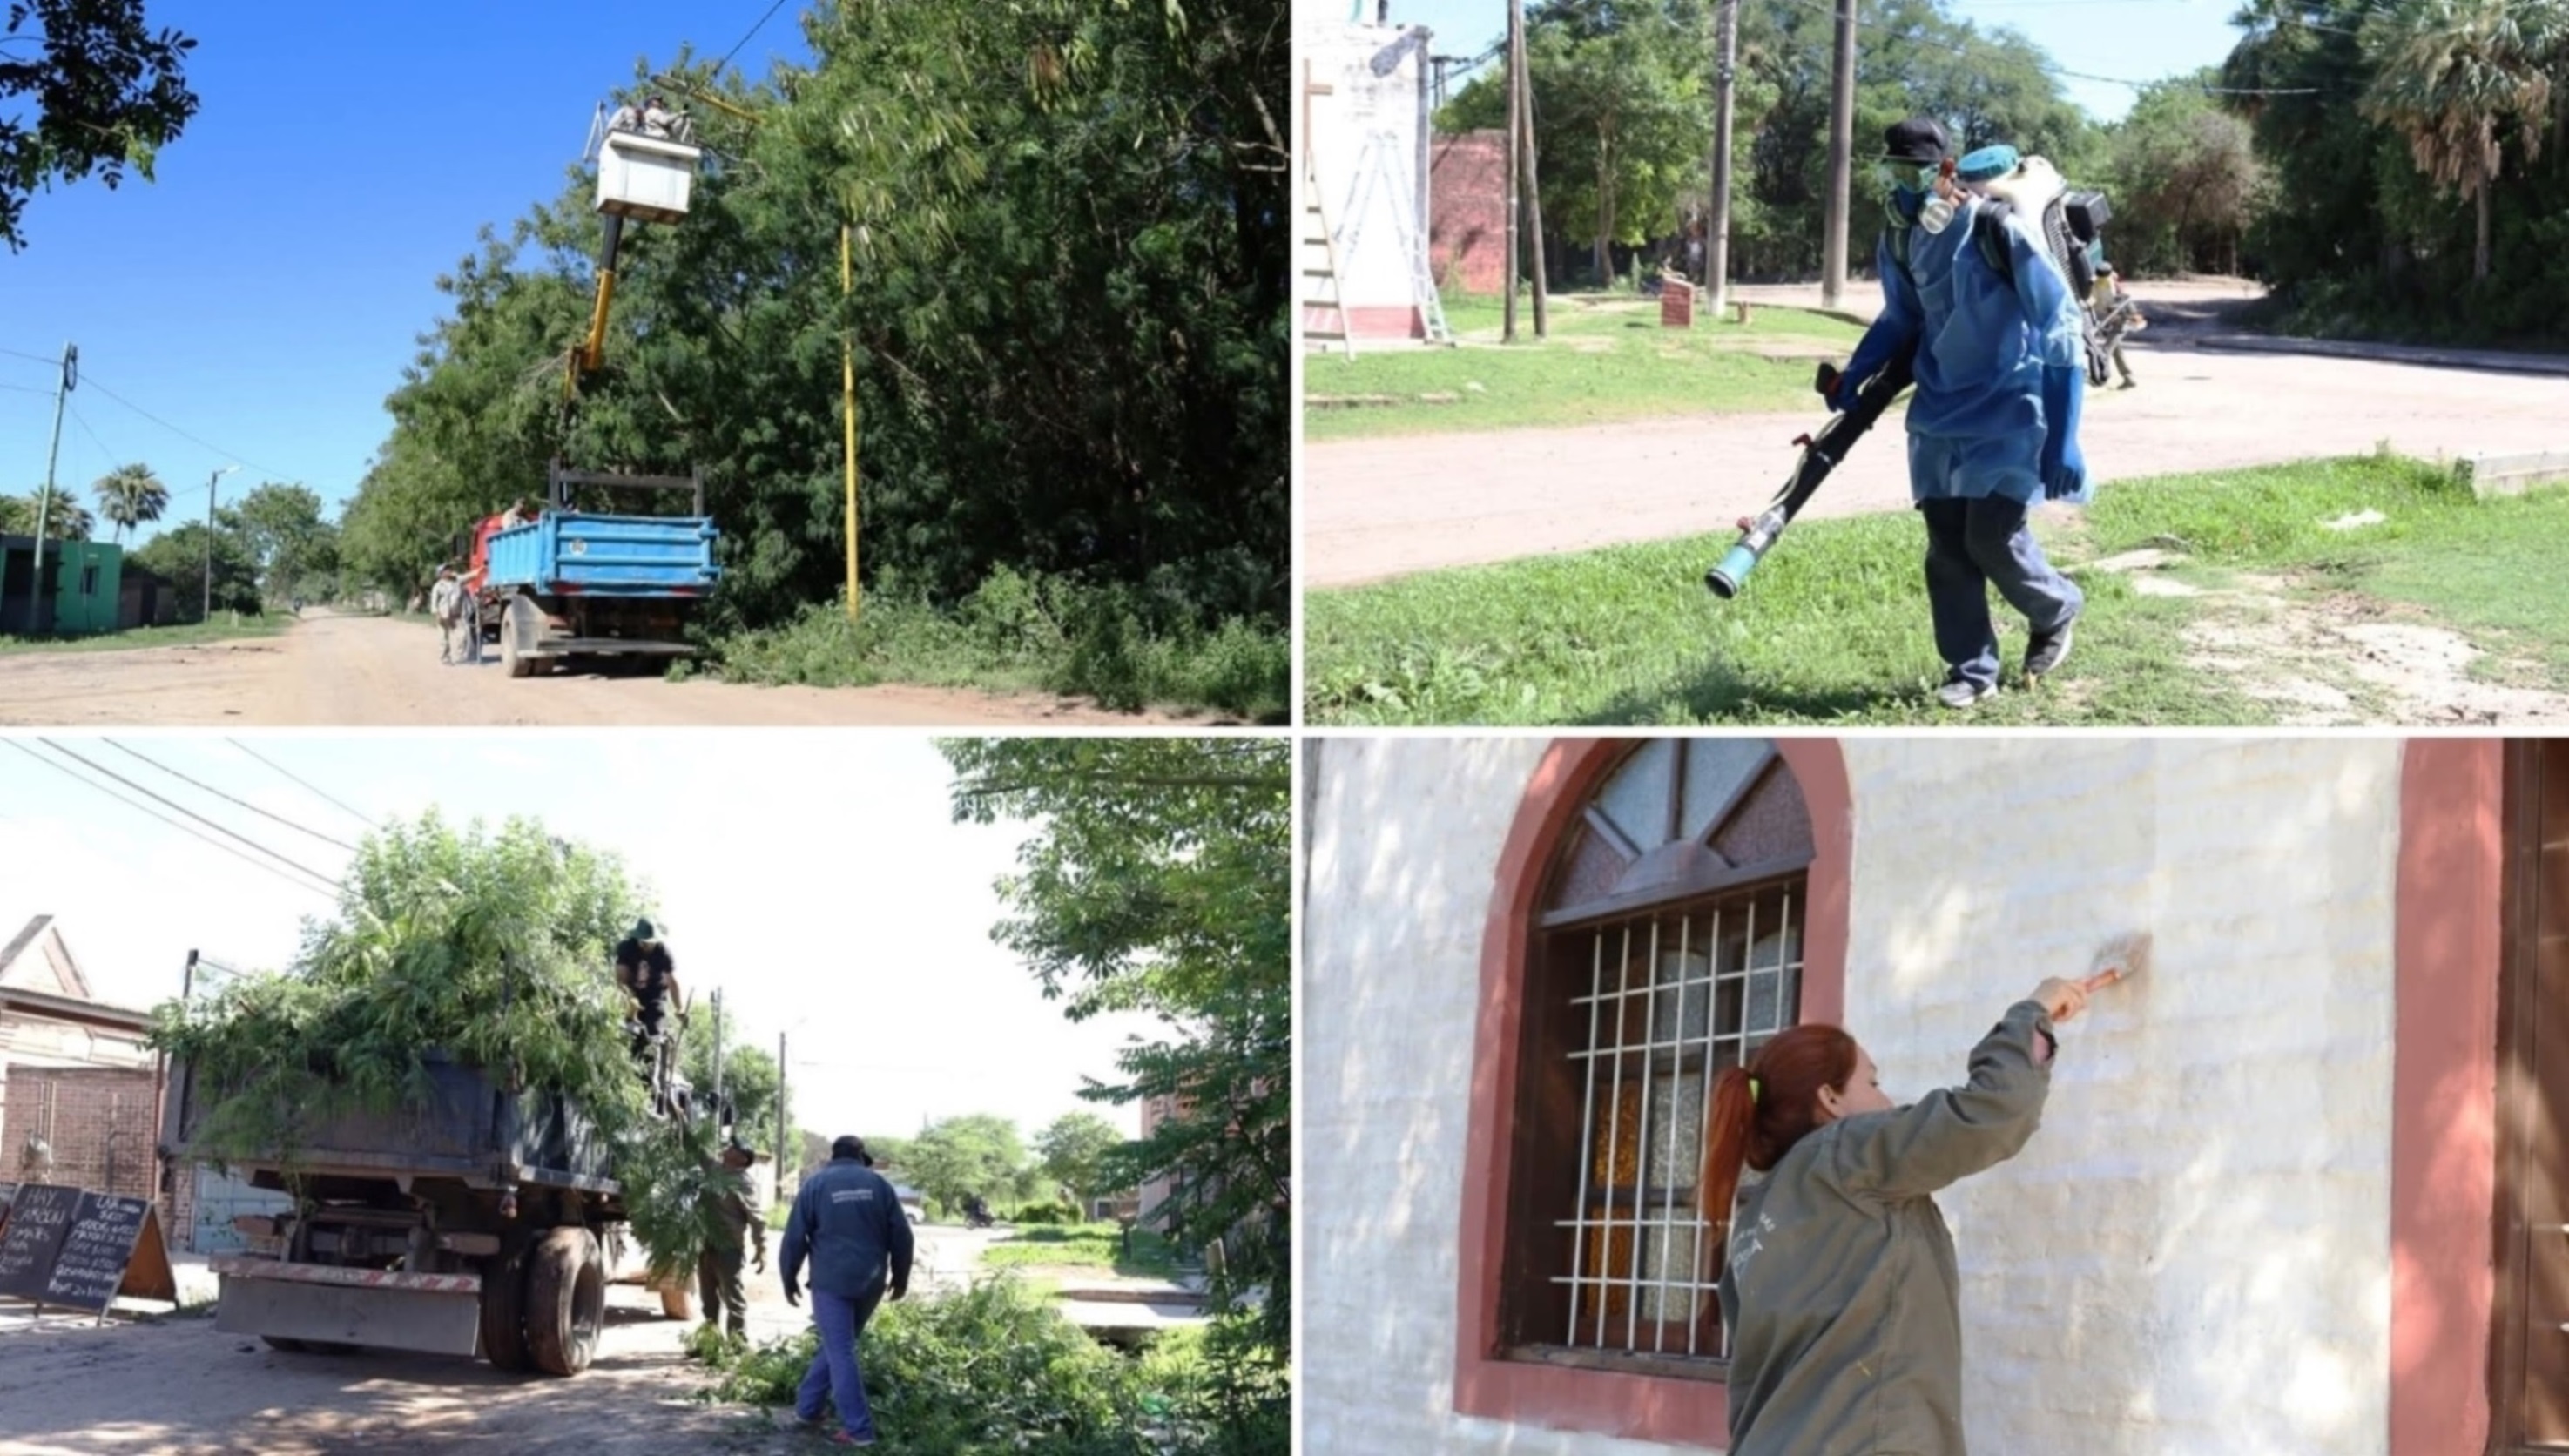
point(1367, 139)
point(2191, 1256)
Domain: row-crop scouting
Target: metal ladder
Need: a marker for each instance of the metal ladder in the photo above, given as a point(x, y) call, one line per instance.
point(1375, 173)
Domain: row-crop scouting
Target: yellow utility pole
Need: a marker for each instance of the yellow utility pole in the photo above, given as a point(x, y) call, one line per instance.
point(846, 344)
point(848, 400)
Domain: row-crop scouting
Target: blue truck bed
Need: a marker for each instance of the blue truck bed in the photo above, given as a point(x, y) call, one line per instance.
point(571, 552)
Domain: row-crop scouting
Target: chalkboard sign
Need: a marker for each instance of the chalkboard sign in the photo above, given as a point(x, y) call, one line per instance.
point(40, 1219)
point(90, 1267)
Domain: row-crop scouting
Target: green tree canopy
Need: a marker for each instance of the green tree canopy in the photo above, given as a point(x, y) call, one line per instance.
point(1158, 879)
point(960, 1157)
point(109, 93)
point(1073, 1150)
point(131, 495)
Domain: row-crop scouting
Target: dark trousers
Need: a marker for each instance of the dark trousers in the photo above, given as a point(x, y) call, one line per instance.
point(718, 1290)
point(1973, 545)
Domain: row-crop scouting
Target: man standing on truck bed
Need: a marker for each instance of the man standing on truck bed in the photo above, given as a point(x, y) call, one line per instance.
point(847, 1220)
point(647, 974)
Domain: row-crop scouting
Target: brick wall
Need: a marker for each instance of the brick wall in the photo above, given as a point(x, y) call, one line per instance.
point(2192, 1256)
point(1467, 209)
point(103, 1126)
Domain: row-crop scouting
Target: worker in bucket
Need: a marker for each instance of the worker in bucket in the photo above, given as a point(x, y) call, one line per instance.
point(1838, 1281)
point(848, 1222)
point(1993, 424)
point(737, 1232)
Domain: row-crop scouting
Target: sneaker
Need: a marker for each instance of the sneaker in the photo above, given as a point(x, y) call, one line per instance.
point(2046, 651)
point(1961, 693)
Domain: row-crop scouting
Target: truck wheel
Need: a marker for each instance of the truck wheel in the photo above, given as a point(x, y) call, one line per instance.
point(565, 1301)
point(676, 1304)
point(503, 1313)
point(518, 629)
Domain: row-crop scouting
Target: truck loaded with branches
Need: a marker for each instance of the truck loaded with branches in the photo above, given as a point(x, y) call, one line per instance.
point(442, 1086)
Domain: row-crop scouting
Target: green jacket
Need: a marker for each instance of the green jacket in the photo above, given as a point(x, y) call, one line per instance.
point(1840, 1290)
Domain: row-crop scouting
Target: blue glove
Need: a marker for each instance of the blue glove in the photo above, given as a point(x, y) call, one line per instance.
point(2065, 470)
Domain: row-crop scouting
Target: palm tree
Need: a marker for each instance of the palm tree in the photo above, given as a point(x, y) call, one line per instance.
point(131, 495)
point(2452, 76)
point(65, 518)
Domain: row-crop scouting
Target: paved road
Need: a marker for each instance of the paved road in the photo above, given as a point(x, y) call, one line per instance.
point(1378, 509)
point(377, 671)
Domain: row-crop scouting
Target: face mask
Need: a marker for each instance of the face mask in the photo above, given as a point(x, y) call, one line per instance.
point(1936, 215)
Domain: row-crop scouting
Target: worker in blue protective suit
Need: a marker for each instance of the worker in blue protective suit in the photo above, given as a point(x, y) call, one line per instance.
point(1994, 423)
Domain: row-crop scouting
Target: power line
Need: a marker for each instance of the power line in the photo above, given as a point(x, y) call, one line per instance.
point(745, 40)
point(92, 382)
point(365, 819)
point(220, 794)
point(191, 814)
point(76, 778)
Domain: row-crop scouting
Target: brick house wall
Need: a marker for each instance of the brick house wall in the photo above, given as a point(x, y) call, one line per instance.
point(102, 1122)
point(2269, 870)
point(1467, 244)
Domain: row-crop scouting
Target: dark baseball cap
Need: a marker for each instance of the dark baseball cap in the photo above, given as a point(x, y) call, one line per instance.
point(1918, 140)
point(852, 1147)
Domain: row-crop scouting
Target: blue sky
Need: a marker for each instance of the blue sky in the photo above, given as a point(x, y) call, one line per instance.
point(2131, 40)
point(821, 883)
point(264, 294)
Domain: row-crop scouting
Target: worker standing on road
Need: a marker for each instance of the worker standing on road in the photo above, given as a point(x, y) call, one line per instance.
point(1999, 356)
point(849, 1222)
point(444, 603)
point(737, 1230)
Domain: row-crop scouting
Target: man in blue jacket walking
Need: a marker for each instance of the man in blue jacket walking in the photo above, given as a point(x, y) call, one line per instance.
point(1994, 425)
point(849, 1222)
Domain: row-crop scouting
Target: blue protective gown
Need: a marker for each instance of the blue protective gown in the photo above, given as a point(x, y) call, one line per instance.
point(1997, 364)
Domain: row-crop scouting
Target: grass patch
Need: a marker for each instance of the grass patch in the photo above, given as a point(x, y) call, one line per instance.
point(1607, 359)
point(192, 634)
point(1833, 629)
point(1085, 1245)
point(1024, 634)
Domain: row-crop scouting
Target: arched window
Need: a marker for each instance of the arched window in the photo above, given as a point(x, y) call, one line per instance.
point(1666, 945)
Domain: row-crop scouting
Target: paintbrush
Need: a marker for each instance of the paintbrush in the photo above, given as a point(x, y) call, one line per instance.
point(2119, 960)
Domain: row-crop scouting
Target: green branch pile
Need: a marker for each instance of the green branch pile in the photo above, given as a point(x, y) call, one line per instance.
point(490, 949)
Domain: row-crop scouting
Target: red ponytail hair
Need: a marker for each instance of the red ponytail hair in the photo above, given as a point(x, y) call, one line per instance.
point(1757, 1131)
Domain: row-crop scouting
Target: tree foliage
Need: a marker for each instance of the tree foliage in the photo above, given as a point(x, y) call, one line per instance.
point(130, 495)
point(1068, 228)
point(1157, 880)
point(962, 1157)
point(109, 93)
point(185, 554)
point(491, 948)
point(1074, 1149)
point(2185, 181)
point(65, 518)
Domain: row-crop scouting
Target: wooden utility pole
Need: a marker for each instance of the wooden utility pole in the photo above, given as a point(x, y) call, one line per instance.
point(780, 1118)
point(63, 387)
point(1833, 255)
point(1717, 231)
point(1523, 108)
point(1508, 326)
point(848, 405)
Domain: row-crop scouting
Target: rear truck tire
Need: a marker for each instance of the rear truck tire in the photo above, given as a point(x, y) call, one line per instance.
point(676, 1304)
point(519, 627)
point(565, 1301)
point(503, 1313)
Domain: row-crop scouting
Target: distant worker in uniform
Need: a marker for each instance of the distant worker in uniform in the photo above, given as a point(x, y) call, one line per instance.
point(647, 974)
point(847, 1221)
point(446, 605)
point(737, 1230)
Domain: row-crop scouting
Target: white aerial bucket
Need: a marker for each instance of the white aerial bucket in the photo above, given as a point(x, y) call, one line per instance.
point(646, 178)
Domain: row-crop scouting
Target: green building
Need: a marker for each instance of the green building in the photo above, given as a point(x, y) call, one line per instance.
point(83, 592)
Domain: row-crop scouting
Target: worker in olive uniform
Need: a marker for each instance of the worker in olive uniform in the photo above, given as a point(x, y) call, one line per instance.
point(848, 1221)
point(737, 1230)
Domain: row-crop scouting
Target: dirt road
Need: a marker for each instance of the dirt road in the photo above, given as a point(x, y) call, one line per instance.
point(180, 1387)
point(1375, 509)
point(358, 671)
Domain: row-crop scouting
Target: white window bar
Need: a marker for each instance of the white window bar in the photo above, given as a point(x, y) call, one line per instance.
point(1729, 1033)
point(1613, 1140)
point(1586, 1135)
